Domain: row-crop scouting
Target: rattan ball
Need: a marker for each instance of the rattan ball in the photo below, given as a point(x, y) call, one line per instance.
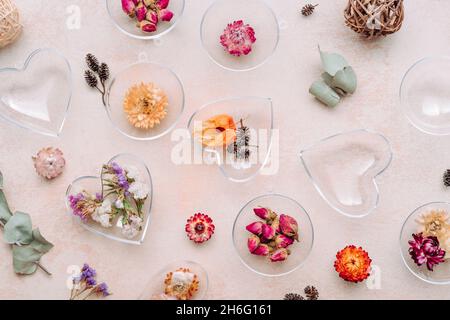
point(10, 26)
point(374, 18)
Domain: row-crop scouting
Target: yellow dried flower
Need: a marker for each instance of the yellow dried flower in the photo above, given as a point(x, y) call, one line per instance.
point(436, 223)
point(145, 105)
point(181, 284)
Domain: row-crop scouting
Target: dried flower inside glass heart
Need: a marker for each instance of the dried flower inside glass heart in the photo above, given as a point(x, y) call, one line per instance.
point(85, 286)
point(199, 228)
point(49, 162)
point(425, 250)
point(121, 199)
point(147, 13)
point(272, 237)
point(181, 284)
point(145, 105)
point(353, 264)
point(238, 38)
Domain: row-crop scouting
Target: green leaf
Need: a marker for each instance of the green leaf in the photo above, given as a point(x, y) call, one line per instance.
point(25, 258)
point(5, 212)
point(18, 229)
point(345, 80)
point(332, 62)
point(39, 243)
point(324, 93)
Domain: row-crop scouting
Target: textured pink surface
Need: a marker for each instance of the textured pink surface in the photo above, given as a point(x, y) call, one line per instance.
point(88, 140)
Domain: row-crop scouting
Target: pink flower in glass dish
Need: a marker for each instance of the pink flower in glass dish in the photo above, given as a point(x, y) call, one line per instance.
point(238, 38)
point(426, 250)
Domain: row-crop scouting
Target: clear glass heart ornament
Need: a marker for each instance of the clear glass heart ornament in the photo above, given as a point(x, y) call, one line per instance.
point(92, 185)
point(37, 96)
point(343, 169)
point(254, 113)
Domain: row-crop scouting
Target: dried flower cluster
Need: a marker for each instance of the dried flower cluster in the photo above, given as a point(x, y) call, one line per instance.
point(240, 148)
point(181, 284)
point(85, 285)
point(199, 228)
point(238, 38)
point(436, 223)
point(97, 75)
point(148, 13)
point(426, 250)
point(123, 196)
point(311, 293)
point(145, 105)
point(273, 236)
point(353, 264)
point(49, 162)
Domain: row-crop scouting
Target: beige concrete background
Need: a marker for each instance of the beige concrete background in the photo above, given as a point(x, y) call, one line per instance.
point(88, 140)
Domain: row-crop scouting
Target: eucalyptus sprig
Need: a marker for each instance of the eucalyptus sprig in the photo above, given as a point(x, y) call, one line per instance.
point(28, 245)
point(97, 75)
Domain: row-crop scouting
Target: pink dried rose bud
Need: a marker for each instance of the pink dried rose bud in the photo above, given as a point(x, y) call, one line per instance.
point(279, 255)
point(262, 250)
point(268, 232)
point(265, 213)
point(129, 6)
point(152, 17)
point(147, 26)
point(253, 243)
point(255, 228)
point(165, 15)
point(141, 12)
point(49, 162)
point(289, 226)
point(162, 4)
point(238, 38)
point(282, 241)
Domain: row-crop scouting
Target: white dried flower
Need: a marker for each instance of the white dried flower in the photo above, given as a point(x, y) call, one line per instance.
point(118, 204)
point(132, 172)
point(139, 190)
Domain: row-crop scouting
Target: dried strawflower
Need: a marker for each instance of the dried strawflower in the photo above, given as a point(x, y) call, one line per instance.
point(311, 293)
point(97, 73)
point(49, 162)
point(446, 178)
point(84, 285)
point(217, 131)
point(436, 223)
point(181, 284)
point(293, 296)
point(199, 228)
point(308, 9)
point(353, 264)
point(145, 105)
point(238, 38)
point(426, 250)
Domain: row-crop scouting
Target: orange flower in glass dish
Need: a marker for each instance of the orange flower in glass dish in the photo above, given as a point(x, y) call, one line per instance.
point(217, 131)
point(353, 264)
point(181, 284)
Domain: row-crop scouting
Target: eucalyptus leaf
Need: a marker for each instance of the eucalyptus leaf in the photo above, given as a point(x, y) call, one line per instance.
point(324, 93)
point(18, 229)
point(39, 243)
point(332, 62)
point(345, 80)
point(25, 259)
point(5, 212)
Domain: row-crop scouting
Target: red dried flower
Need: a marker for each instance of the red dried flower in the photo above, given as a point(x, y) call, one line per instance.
point(426, 250)
point(238, 38)
point(353, 264)
point(199, 228)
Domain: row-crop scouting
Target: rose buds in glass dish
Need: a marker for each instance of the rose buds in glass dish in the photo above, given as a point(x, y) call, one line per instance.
point(199, 228)
point(353, 264)
point(272, 237)
point(148, 13)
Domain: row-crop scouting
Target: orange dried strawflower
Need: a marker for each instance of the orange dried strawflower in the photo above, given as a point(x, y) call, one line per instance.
point(353, 264)
point(181, 284)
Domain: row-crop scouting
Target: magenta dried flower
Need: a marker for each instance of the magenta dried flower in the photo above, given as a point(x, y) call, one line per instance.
point(147, 13)
point(289, 226)
point(253, 243)
point(268, 232)
point(279, 255)
point(255, 228)
point(426, 250)
point(165, 15)
point(262, 250)
point(129, 6)
point(141, 12)
point(283, 241)
point(163, 4)
point(238, 38)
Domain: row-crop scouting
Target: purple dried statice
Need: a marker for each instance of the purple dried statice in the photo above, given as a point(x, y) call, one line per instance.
point(85, 285)
point(426, 250)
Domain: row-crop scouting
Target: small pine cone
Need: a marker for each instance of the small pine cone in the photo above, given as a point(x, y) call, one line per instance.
point(90, 78)
point(446, 178)
point(103, 72)
point(311, 293)
point(308, 9)
point(92, 62)
point(293, 296)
